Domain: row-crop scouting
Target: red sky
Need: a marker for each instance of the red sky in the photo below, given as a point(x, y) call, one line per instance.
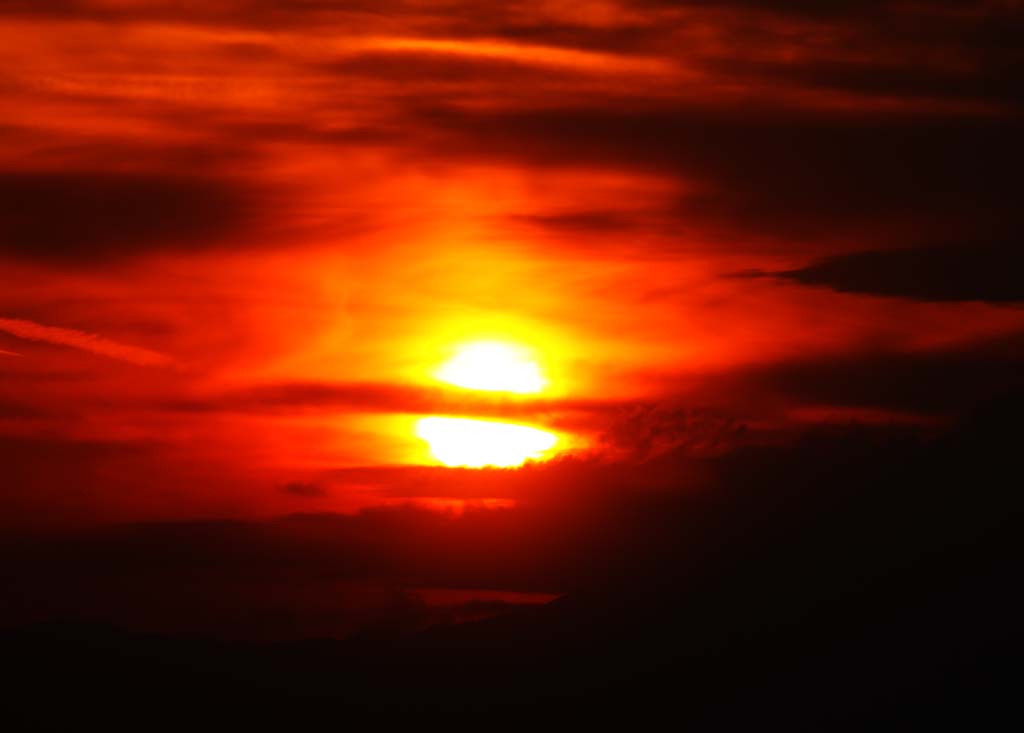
point(237, 238)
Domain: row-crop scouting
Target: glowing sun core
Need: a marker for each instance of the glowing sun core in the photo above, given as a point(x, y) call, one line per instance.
point(458, 441)
point(494, 367)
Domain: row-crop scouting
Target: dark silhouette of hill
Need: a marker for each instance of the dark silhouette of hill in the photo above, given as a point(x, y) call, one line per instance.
point(854, 578)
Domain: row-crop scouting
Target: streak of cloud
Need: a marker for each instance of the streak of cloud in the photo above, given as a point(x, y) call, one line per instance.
point(83, 340)
point(526, 54)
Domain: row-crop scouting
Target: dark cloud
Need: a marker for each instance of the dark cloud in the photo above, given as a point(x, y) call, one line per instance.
point(981, 273)
point(364, 397)
point(776, 172)
point(83, 217)
point(305, 489)
point(263, 14)
point(382, 397)
point(997, 81)
point(642, 431)
point(811, 8)
point(944, 381)
point(235, 12)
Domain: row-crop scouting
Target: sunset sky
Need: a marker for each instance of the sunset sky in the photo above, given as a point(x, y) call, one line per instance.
point(239, 239)
point(592, 356)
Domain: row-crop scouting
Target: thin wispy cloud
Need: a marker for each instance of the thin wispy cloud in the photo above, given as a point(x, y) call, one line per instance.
point(82, 340)
point(522, 53)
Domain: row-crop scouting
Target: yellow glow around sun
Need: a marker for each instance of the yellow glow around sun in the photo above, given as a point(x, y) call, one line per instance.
point(493, 366)
point(456, 441)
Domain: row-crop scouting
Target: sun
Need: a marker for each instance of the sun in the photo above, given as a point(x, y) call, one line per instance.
point(493, 366)
point(456, 441)
point(489, 366)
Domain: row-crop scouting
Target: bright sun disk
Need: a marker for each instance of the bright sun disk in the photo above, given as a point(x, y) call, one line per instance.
point(457, 441)
point(494, 367)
